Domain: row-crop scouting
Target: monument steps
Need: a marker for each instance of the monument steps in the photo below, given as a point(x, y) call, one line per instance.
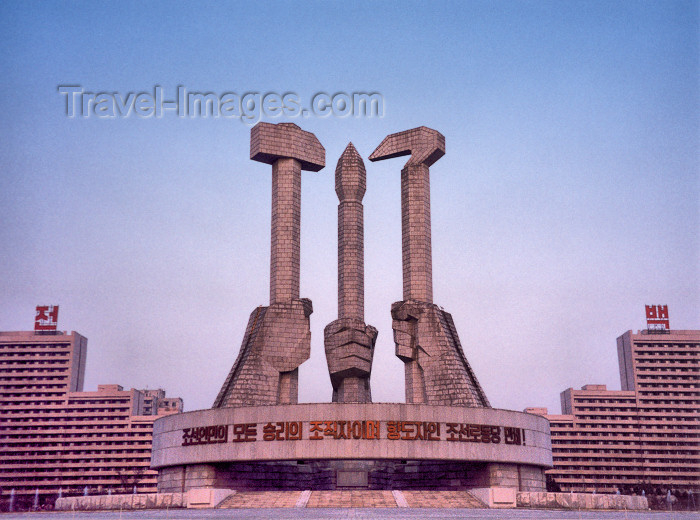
point(450, 499)
point(352, 498)
point(260, 499)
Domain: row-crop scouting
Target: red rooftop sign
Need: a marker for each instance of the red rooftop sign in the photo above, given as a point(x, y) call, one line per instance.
point(657, 317)
point(46, 317)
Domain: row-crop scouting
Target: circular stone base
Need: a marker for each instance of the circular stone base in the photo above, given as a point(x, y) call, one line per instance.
point(363, 445)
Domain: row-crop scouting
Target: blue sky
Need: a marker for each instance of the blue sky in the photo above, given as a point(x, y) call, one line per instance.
point(568, 197)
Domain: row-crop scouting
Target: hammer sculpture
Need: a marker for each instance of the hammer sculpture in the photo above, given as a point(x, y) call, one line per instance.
point(278, 337)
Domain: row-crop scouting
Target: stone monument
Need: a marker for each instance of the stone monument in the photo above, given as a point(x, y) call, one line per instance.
point(349, 342)
point(256, 436)
point(437, 371)
point(277, 339)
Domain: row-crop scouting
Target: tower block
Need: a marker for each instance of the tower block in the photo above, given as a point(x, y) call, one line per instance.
point(349, 343)
point(278, 337)
point(437, 371)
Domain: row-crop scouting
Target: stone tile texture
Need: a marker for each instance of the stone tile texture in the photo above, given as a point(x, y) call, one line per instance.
point(425, 146)
point(349, 342)
point(437, 371)
point(451, 499)
point(270, 142)
point(355, 513)
point(278, 337)
point(276, 342)
point(354, 498)
point(258, 499)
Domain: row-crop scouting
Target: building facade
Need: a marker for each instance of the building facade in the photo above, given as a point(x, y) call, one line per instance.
point(56, 439)
point(157, 403)
point(645, 435)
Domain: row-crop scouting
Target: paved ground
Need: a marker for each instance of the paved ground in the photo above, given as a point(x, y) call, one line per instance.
point(332, 514)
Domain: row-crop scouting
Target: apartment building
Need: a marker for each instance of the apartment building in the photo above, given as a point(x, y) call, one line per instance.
point(156, 403)
point(647, 433)
point(57, 439)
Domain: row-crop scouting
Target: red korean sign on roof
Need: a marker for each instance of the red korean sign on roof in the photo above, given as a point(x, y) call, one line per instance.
point(46, 317)
point(657, 317)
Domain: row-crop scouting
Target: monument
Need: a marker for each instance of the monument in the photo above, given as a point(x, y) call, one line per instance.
point(277, 339)
point(257, 437)
point(349, 342)
point(437, 371)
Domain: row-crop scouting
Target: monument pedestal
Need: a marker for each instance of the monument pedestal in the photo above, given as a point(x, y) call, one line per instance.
point(351, 446)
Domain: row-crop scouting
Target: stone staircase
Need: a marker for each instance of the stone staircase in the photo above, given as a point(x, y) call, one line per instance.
point(258, 499)
point(450, 499)
point(351, 499)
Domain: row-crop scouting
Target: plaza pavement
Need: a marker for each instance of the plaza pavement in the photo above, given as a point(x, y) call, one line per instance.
point(343, 513)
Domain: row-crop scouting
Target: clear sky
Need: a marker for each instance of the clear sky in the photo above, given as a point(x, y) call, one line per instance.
point(568, 197)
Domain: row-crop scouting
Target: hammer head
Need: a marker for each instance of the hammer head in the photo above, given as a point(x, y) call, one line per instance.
point(269, 142)
point(423, 144)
